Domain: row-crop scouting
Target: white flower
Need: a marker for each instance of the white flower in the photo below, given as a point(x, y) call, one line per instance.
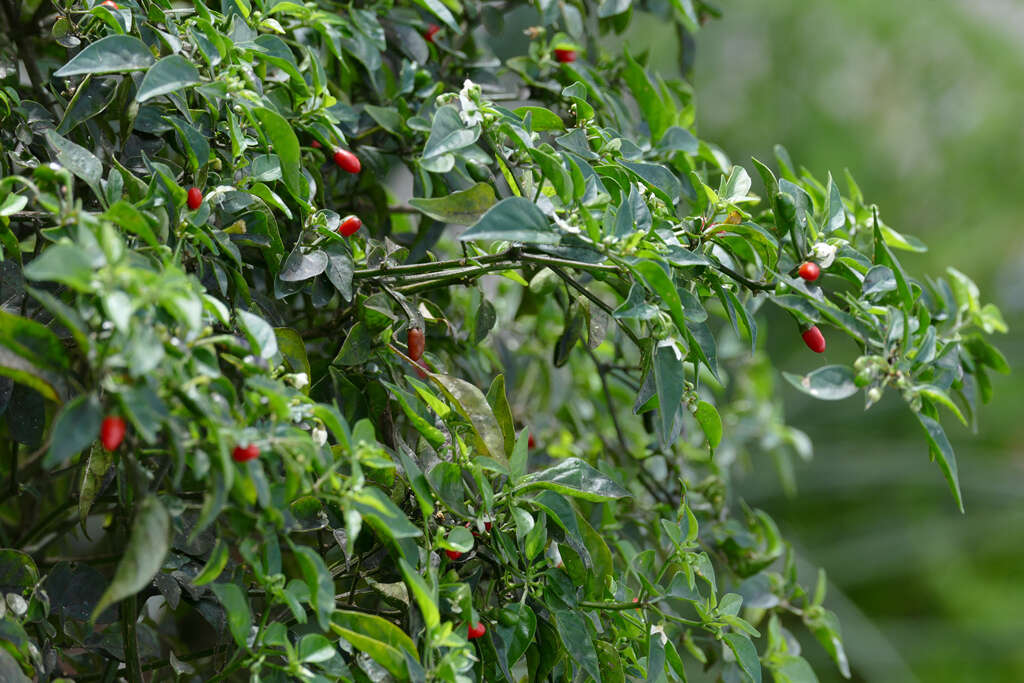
point(319, 435)
point(824, 254)
point(468, 98)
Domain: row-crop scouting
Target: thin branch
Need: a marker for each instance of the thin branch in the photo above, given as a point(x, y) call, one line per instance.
point(750, 284)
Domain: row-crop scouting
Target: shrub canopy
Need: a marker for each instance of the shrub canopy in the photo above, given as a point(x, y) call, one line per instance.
point(555, 470)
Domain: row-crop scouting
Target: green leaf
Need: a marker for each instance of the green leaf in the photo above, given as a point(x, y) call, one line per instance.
point(879, 280)
point(125, 215)
point(541, 119)
point(498, 400)
point(171, 74)
point(659, 283)
point(214, 565)
point(318, 579)
point(572, 627)
point(10, 670)
point(943, 452)
point(463, 207)
point(423, 594)
point(939, 396)
point(314, 648)
point(669, 378)
point(236, 608)
point(76, 159)
point(448, 133)
point(611, 663)
point(574, 477)
point(96, 467)
point(293, 348)
point(485, 319)
point(339, 270)
point(792, 669)
point(459, 538)
point(514, 631)
point(710, 422)
point(446, 480)
point(387, 644)
point(33, 341)
point(658, 113)
point(77, 426)
point(746, 655)
point(829, 383)
point(286, 147)
point(383, 515)
point(260, 334)
point(112, 54)
point(826, 629)
point(662, 182)
point(434, 436)
point(471, 403)
point(64, 263)
point(515, 219)
point(520, 455)
point(302, 265)
point(417, 480)
point(437, 8)
point(144, 555)
point(50, 385)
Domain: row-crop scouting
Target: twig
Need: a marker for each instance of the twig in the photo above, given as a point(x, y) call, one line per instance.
point(750, 284)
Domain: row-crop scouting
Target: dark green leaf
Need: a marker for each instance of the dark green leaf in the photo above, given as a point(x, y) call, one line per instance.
point(384, 516)
point(515, 219)
point(236, 607)
point(318, 579)
point(485, 319)
point(572, 628)
point(574, 477)
point(471, 403)
point(125, 215)
point(377, 637)
point(108, 55)
point(498, 401)
point(32, 341)
point(76, 159)
point(746, 655)
point(662, 181)
point(463, 207)
point(214, 565)
point(260, 334)
point(77, 426)
point(171, 74)
point(144, 555)
point(302, 265)
point(830, 383)
point(669, 378)
point(448, 133)
point(942, 451)
point(286, 146)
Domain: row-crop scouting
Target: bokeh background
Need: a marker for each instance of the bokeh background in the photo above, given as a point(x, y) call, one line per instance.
point(924, 103)
point(923, 100)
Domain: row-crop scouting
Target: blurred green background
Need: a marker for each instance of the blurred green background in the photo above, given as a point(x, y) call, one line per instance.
point(923, 102)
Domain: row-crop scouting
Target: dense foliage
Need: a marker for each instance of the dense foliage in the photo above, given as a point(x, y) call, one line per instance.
point(355, 449)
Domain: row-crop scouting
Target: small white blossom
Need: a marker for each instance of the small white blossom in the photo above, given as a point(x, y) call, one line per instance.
point(468, 98)
point(319, 435)
point(824, 254)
